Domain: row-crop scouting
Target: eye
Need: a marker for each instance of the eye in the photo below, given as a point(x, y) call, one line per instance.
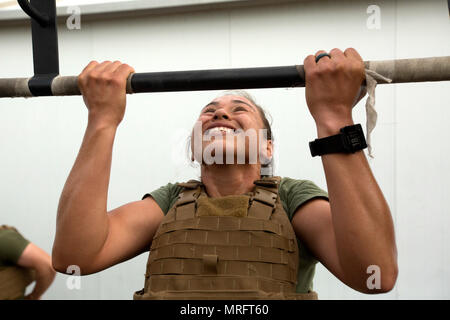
point(209, 110)
point(240, 108)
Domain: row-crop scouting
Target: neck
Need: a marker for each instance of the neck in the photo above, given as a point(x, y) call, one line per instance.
point(224, 180)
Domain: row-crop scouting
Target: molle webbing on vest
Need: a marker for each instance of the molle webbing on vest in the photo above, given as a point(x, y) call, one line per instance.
point(216, 252)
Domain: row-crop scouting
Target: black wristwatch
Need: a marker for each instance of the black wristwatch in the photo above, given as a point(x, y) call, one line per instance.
point(350, 140)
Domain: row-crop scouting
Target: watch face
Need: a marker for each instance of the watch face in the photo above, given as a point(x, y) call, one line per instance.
point(353, 138)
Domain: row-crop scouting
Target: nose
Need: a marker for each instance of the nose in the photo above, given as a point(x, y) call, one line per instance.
point(221, 114)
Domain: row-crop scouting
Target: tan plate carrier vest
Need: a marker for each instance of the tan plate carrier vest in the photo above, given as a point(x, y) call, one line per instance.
point(14, 279)
point(233, 247)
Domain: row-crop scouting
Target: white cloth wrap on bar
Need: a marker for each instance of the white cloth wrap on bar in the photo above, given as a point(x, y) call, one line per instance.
point(68, 86)
point(65, 86)
point(14, 87)
point(372, 79)
point(400, 71)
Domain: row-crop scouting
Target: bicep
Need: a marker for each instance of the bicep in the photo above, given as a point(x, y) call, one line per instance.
point(312, 223)
point(131, 230)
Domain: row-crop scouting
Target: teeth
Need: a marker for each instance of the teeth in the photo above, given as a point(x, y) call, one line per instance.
point(219, 130)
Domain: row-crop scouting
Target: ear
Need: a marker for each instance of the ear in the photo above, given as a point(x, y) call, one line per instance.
point(267, 152)
point(269, 149)
point(191, 145)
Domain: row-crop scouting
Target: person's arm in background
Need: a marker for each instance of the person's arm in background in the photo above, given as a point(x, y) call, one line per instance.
point(37, 259)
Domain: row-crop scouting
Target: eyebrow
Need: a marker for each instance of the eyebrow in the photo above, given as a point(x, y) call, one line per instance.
point(214, 103)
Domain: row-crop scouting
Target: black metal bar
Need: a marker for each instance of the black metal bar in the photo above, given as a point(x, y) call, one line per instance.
point(45, 44)
point(218, 79)
point(398, 71)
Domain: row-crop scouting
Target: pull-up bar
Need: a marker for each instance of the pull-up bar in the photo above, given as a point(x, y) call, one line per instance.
point(47, 82)
point(400, 71)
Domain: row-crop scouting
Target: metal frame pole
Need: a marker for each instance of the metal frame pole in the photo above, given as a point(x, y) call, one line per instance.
point(45, 44)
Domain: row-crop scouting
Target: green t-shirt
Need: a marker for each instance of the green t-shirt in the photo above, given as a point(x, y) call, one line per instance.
point(12, 244)
point(293, 193)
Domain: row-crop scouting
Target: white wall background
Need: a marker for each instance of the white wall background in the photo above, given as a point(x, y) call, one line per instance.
point(40, 137)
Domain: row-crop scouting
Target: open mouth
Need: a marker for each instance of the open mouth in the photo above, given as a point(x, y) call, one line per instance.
point(220, 131)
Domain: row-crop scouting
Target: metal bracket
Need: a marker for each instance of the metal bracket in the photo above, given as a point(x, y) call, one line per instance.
point(45, 44)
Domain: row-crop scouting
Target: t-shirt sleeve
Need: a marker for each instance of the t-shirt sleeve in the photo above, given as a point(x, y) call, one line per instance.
point(165, 196)
point(295, 193)
point(12, 244)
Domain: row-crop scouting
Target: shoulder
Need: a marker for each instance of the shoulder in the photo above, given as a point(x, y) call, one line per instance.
point(289, 183)
point(10, 233)
point(168, 189)
point(166, 195)
point(296, 192)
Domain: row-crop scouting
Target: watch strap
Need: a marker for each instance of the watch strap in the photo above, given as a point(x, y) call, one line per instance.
point(349, 140)
point(331, 144)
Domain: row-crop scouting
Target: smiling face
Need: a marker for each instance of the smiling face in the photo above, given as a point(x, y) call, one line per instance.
point(233, 125)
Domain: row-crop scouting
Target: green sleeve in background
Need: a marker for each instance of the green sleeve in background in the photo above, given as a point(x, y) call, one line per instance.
point(12, 244)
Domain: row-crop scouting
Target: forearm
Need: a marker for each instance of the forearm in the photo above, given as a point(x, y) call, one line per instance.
point(44, 278)
point(82, 222)
point(361, 217)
